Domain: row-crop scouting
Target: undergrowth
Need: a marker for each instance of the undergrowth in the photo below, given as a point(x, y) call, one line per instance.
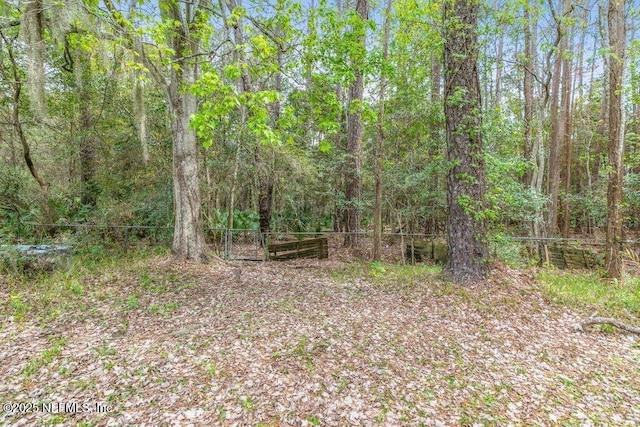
point(587, 291)
point(46, 295)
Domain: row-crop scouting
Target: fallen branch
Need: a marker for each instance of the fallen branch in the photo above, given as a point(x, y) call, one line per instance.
point(579, 327)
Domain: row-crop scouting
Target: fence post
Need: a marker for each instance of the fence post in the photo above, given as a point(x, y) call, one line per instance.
point(264, 243)
point(126, 238)
point(256, 242)
point(227, 243)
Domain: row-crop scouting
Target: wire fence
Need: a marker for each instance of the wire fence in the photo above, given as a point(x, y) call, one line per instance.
point(252, 245)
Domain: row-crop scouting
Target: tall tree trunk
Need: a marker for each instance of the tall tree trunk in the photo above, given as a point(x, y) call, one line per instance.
point(339, 209)
point(435, 77)
point(499, 66)
point(234, 183)
point(604, 107)
point(466, 229)
point(182, 37)
point(244, 86)
point(540, 108)
point(529, 68)
point(309, 62)
point(87, 143)
point(140, 113)
point(354, 138)
point(567, 141)
point(265, 187)
point(188, 235)
point(379, 151)
point(617, 42)
point(557, 129)
point(267, 155)
point(534, 151)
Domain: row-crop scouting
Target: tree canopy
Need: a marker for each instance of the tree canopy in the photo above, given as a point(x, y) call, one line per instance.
point(303, 116)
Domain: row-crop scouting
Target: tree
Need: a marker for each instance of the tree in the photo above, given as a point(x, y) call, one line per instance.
point(181, 33)
point(529, 69)
point(354, 130)
point(377, 203)
point(466, 227)
point(10, 73)
point(558, 115)
point(86, 142)
point(617, 43)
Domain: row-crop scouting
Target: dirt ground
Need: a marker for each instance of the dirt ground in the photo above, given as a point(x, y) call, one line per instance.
point(311, 343)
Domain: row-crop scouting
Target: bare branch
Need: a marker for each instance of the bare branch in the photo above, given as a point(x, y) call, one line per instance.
point(606, 321)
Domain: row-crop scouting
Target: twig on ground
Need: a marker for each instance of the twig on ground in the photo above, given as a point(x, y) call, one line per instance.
point(579, 327)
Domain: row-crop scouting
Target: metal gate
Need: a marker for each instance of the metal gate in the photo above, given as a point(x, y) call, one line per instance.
point(244, 245)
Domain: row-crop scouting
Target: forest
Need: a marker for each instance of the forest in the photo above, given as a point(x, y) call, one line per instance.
point(289, 116)
point(447, 162)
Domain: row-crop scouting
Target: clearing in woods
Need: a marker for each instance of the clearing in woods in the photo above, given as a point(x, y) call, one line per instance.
point(305, 342)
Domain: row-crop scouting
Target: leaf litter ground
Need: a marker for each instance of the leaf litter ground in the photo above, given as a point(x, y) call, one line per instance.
point(314, 343)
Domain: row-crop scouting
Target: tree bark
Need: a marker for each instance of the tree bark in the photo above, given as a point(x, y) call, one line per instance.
point(188, 236)
point(499, 66)
point(33, 31)
point(567, 139)
point(557, 131)
point(140, 113)
point(435, 77)
point(466, 229)
point(379, 152)
point(529, 67)
point(617, 42)
point(604, 107)
point(354, 139)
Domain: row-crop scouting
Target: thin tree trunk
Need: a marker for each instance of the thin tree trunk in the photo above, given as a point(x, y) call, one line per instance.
point(232, 191)
point(557, 131)
point(499, 66)
point(529, 67)
point(339, 141)
point(435, 77)
point(567, 141)
point(557, 128)
point(309, 63)
point(88, 186)
point(354, 140)
point(604, 107)
point(617, 41)
point(538, 176)
point(468, 252)
point(339, 210)
point(244, 86)
point(267, 182)
point(379, 153)
point(533, 113)
point(140, 113)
